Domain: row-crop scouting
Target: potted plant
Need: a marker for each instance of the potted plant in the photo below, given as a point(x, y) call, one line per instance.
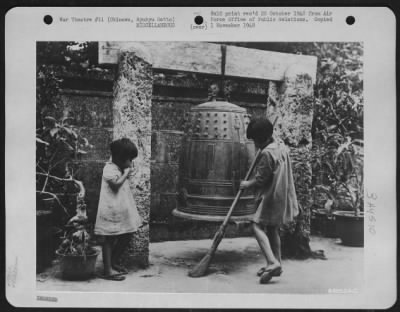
point(344, 190)
point(340, 165)
point(77, 255)
point(58, 144)
point(350, 224)
point(326, 189)
point(338, 114)
point(323, 218)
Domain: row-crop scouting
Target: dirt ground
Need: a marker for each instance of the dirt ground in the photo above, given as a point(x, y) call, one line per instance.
point(233, 270)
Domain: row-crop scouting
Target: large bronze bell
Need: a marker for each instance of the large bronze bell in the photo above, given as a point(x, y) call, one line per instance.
point(216, 158)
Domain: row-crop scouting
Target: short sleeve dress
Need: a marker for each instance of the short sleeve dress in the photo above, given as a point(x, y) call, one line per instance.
point(117, 213)
point(275, 191)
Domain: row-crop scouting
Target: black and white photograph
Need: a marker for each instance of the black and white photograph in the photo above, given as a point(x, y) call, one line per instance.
point(224, 166)
point(147, 150)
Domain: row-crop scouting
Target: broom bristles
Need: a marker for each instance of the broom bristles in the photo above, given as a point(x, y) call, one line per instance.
point(201, 268)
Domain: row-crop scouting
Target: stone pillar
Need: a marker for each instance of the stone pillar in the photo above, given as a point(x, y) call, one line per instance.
point(292, 102)
point(132, 119)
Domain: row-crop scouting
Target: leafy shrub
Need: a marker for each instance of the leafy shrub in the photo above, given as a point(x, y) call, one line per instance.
point(58, 141)
point(337, 129)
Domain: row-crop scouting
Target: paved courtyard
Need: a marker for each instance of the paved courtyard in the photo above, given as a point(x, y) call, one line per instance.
point(233, 270)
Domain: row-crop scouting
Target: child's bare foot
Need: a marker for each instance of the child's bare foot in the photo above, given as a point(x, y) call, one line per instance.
point(112, 275)
point(112, 272)
point(119, 268)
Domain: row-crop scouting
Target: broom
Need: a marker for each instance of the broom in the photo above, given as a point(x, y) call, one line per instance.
point(201, 268)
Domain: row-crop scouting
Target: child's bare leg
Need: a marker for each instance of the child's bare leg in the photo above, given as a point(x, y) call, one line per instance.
point(118, 250)
point(265, 246)
point(275, 239)
point(107, 256)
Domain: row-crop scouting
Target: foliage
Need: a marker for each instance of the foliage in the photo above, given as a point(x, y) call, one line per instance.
point(76, 239)
point(337, 129)
point(339, 87)
point(58, 140)
point(302, 175)
point(340, 162)
point(75, 55)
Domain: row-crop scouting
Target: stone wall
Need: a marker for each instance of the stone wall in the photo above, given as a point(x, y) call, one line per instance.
point(132, 119)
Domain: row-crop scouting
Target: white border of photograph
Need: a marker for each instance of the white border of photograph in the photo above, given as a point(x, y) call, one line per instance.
point(376, 27)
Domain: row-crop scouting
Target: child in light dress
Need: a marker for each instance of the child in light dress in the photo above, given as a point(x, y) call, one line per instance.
point(117, 215)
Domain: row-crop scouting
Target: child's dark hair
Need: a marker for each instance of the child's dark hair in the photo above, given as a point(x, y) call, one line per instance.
point(122, 150)
point(259, 129)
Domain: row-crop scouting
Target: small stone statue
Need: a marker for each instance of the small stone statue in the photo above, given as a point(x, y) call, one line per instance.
point(213, 92)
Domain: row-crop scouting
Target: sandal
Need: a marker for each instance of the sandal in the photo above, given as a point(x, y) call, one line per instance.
point(265, 277)
point(112, 277)
point(275, 272)
point(261, 271)
point(268, 274)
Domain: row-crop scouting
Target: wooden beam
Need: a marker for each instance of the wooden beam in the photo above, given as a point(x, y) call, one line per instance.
point(253, 63)
point(186, 56)
point(204, 57)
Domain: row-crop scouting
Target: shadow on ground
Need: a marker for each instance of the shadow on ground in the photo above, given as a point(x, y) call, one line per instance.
point(233, 270)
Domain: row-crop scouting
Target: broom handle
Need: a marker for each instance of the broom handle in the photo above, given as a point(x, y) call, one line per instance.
point(239, 193)
point(249, 172)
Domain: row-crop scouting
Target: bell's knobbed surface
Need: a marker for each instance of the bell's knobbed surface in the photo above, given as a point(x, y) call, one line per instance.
point(216, 159)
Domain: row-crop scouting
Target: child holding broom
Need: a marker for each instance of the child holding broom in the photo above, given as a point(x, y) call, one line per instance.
point(275, 194)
